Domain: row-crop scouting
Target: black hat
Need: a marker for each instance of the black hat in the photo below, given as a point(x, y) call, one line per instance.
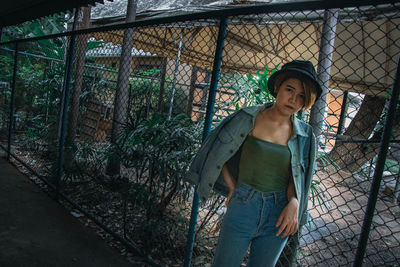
point(304, 68)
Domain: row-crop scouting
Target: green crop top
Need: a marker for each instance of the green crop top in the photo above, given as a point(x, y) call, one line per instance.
point(264, 165)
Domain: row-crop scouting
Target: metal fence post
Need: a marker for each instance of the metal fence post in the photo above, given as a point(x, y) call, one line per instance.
point(12, 104)
point(380, 164)
point(324, 67)
point(207, 127)
point(64, 105)
point(176, 71)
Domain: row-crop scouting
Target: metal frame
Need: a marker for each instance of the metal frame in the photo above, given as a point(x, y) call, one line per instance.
point(223, 16)
point(217, 14)
point(207, 128)
point(384, 147)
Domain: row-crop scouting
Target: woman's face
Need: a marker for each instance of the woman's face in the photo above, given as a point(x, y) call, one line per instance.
point(290, 97)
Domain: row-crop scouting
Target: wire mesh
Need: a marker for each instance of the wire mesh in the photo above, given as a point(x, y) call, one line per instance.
point(134, 136)
point(136, 115)
point(5, 85)
point(37, 93)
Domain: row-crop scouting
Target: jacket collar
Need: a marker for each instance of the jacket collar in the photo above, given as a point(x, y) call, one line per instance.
point(297, 127)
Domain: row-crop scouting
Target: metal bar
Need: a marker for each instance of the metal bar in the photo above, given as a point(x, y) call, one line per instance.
point(216, 14)
point(396, 190)
point(86, 65)
point(64, 107)
point(207, 127)
point(343, 112)
point(177, 61)
point(370, 167)
point(366, 141)
point(12, 104)
point(32, 55)
point(380, 164)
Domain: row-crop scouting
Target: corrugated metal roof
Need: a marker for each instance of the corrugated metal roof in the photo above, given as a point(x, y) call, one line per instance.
point(114, 50)
point(18, 11)
point(118, 7)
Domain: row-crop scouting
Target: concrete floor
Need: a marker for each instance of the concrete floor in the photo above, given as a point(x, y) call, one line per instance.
point(37, 231)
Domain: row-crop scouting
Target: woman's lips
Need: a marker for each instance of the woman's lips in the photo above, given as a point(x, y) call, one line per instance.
point(289, 107)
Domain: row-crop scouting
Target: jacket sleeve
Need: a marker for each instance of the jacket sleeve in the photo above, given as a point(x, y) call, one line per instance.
point(309, 178)
point(197, 164)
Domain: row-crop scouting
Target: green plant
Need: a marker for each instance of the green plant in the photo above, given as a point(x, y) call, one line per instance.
point(317, 193)
point(367, 169)
point(87, 161)
point(248, 89)
point(326, 161)
point(53, 48)
point(262, 94)
point(159, 151)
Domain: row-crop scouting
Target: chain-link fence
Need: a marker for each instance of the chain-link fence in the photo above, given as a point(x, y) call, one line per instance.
point(124, 108)
point(7, 60)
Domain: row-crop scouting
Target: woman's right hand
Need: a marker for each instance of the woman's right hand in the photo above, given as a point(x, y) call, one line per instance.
point(230, 183)
point(228, 198)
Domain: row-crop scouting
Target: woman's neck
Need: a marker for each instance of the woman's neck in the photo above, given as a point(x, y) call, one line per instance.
point(273, 114)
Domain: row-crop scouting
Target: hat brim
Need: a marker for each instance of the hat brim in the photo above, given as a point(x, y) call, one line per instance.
point(306, 75)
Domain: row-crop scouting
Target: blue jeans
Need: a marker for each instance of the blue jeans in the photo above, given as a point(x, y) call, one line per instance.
point(250, 220)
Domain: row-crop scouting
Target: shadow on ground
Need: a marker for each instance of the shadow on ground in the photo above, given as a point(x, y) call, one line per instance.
point(37, 231)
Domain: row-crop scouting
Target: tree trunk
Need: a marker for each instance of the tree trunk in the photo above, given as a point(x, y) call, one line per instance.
point(362, 153)
point(162, 85)
point(193, 80)
point(122, 92)
point(351, 156)
point(79, 68)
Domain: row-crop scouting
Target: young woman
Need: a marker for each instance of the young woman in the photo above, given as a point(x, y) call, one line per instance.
point(265, 157)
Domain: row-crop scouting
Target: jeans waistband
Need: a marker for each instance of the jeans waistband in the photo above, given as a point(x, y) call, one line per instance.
point(246, 187)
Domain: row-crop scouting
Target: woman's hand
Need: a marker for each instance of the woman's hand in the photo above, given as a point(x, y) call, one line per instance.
point(228, 198)
point(288, 220)
point(230, 183)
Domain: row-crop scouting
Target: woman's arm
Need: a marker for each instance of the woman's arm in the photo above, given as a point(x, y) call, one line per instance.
point(288, 220)
point(291, 192)
point(230, 182)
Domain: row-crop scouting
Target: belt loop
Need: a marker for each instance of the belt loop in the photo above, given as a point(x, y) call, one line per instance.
point(251, 194)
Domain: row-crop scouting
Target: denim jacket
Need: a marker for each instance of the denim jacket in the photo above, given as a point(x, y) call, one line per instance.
point(223, 146)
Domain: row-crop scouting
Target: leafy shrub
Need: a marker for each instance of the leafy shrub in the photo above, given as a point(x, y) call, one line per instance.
point(160, 151)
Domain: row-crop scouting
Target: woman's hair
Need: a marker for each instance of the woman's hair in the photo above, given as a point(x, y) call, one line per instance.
point(308, 86)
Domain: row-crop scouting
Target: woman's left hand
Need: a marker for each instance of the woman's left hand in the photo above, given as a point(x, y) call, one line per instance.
point(288, 220)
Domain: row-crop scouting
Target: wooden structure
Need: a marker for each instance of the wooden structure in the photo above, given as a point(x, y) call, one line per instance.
point(97, 121)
